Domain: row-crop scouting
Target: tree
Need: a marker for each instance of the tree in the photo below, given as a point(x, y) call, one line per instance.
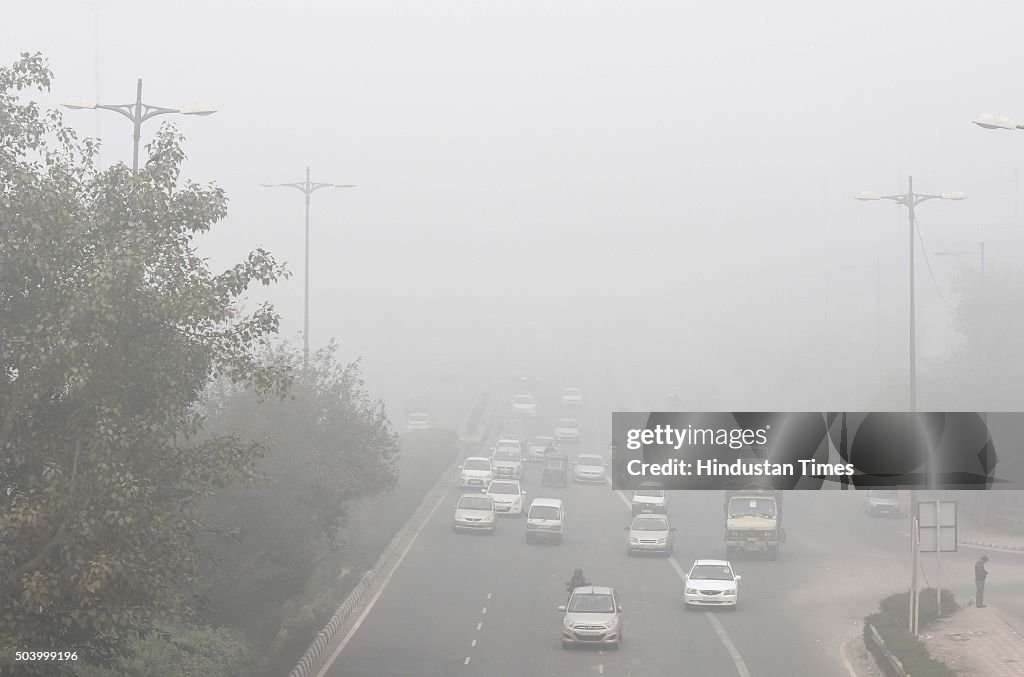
point(326, 446)
point(112, 326)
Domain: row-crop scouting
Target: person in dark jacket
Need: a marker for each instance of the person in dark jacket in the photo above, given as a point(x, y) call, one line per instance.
point(980, 574)
point(577, 581)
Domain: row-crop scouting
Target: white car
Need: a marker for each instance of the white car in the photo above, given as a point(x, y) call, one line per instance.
point(476, 471)
point(882, 502)
point(474, 512)
point(545, 519)
point(418, 421)
point(711, 582)
point(507, 459)
point(649, 497)
point(539, 445)
point(567, 430)
point(572, 397)
point(508, 497)
point(650, 533)
point(593, 615)
point(525, 405)
point(589, 468)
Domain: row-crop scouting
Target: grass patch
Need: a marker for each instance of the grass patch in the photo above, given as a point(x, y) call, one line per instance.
point(891, 622)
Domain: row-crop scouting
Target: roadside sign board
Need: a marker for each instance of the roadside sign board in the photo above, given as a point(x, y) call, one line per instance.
point(937, 526)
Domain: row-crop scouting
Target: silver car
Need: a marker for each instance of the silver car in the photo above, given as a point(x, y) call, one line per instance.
point(589, 468)
point(475, 512)
point(650, 533)
point(593, 615)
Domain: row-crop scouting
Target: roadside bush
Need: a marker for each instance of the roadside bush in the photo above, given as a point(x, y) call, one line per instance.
point(891, 622)
point(181, 651)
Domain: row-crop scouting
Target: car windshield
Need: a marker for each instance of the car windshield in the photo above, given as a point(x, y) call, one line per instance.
point(543, 512)
point(474, 503)
point(503, 488)
point(592, 603)
point(477, 464)
point(759, 507)
point(506, 455)
point(572, 392)
point(543, 441)
point(654, 492)
point(711, 572)
point(419, 417)
point(883, 493)
point(566, 423)
point(590, 461)
point(524, 399)
point(650, 524)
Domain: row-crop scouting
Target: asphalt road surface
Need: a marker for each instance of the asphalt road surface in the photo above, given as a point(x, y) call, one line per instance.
point(469, 604)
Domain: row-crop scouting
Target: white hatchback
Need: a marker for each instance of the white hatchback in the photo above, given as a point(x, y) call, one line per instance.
point(508, 497)
point(476, 471)
point(567, 430)
point(572, 397)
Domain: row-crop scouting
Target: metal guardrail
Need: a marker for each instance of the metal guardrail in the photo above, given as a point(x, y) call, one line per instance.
point(894, 667)
point(311, 658)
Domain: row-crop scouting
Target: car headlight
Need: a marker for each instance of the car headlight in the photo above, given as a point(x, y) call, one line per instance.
point(662, 541)
point(612, 623)
point(691, 591)
point(729, 592)
point(634, 539)
point(566, 623)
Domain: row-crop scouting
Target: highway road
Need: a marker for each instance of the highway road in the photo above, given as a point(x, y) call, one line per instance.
point(486, 605)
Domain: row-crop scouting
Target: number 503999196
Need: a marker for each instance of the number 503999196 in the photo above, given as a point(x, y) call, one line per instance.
point(37, 656)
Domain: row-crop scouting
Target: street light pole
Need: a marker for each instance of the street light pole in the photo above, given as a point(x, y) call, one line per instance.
point(911, 200)
point(138, 112)
point(308, 188)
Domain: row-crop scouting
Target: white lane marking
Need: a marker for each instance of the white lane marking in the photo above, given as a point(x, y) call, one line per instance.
point(489, 595)
point(737, 660)
point(373, 600)
point(480, 625)
point(467, 659)
point(485, 610)
point(844, 657)
point(600, 668)
point(473, 643)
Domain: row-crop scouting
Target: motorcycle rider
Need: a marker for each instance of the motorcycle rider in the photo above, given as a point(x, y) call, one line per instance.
point(577, 581)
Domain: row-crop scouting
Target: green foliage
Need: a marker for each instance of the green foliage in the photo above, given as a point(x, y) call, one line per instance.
point(181, 651)
point(892, 621)
point(324, 447)
point(112, 327)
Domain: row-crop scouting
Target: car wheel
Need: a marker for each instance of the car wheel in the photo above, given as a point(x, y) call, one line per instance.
point(565, 645)
point(629, 553)
point(528, 539)
point(773, 553)
point(617, 643)
point(686, 607)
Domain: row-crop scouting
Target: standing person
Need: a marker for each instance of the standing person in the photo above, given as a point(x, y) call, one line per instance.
point(980, 574)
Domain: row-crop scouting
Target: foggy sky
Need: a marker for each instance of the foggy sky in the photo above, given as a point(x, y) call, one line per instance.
point(675, 176)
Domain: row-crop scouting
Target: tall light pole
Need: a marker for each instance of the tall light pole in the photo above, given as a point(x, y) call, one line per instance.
point(138, 113)
point(911, 200)
point(308, 188)
point(877, 267)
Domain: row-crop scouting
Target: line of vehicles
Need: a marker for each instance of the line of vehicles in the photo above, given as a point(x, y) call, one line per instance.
point(593, 614)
